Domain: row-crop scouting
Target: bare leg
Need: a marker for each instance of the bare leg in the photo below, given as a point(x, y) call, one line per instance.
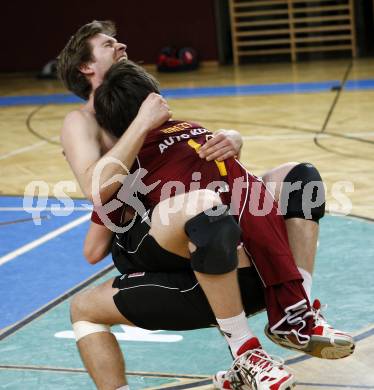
point(302, 234)
point(100, 351)
point(222, 291)
point(103, 360)
point(303, 237)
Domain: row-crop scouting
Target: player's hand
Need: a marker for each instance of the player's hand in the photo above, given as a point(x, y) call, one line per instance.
point(223, 145)
point(153, 112)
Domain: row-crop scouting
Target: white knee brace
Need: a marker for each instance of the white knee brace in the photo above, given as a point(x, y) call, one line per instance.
point(84, 328)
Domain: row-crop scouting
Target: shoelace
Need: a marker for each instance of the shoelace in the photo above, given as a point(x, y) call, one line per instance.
point(318, 318)
point(246, 363)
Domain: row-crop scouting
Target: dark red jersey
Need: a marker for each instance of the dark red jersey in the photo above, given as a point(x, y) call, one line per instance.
point(169, 155)
point(168, 163)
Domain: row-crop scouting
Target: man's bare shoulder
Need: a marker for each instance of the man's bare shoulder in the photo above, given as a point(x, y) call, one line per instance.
point(80, 120)
point(79, 128)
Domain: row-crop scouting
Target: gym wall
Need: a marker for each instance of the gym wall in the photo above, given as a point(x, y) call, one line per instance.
point(33, 32)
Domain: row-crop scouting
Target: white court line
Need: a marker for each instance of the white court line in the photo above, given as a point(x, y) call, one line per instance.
point(26, 148)
point(52, 209)
point(33, 244)
point(303, 136)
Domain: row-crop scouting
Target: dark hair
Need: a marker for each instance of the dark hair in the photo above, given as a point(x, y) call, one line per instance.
point(119, 97)
point(77, 52)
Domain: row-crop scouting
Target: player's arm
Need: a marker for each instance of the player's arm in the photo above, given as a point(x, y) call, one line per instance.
point(223, 145)
point(99, 237)
point(97, 243)
point(81, 143)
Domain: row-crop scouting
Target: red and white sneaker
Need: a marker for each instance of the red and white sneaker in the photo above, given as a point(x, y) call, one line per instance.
point(254, 369)
point(324, 342)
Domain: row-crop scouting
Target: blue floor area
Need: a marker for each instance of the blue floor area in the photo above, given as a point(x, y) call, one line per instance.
point(18, 228)
point(198, 92)
point(344, 271)
point(42, 274)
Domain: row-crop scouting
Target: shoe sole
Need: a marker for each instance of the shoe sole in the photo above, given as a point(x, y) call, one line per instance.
point(319, 346)
point(287, 385)
point(322, 348)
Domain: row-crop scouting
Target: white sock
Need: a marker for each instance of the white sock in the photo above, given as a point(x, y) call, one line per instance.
point(236, 331)
point(124, 388)
point(307, 283)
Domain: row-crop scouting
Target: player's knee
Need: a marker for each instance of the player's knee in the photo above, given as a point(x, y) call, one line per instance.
point(274, 178)
point(201, 200)
point(216, 235)
point(175, 211)
point(278, 174)
point(78, 307)
point(303, 193)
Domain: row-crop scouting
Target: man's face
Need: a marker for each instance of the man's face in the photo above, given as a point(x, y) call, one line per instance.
point(106, 51)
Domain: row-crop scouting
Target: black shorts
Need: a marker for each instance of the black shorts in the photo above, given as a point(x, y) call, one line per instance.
point(158, 289)
point(135, 250)
point(175, 300)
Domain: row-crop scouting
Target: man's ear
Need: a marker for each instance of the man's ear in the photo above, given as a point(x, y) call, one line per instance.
point(86, 69)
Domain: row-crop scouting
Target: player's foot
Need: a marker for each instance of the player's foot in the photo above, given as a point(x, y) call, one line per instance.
point(254, 369)
point(325, 342)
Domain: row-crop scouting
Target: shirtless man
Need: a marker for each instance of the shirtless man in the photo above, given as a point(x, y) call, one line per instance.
point(129, 143)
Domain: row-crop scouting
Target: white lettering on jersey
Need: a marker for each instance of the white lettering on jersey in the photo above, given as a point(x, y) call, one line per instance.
point(178, 138)
point(198, 131)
